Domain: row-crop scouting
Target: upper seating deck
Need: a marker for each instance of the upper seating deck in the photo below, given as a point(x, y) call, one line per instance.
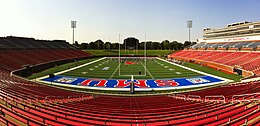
point(226, 45)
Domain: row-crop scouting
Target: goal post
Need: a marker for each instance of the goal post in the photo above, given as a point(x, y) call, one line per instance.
point(134, 64)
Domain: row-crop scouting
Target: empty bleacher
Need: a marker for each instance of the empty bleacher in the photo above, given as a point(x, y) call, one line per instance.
point(227, 46)
point(246, 60)
point(17, 52)
point(29, 103)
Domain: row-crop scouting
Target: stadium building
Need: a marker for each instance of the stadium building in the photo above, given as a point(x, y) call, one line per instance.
point(165, 102)
point(234, 49)
point(236, 32)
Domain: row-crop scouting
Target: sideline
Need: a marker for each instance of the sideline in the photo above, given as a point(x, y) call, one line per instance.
point(64, 71)
point(197, 71)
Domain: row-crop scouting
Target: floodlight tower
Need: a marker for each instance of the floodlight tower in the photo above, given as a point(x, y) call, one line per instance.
point(189, 26)
point(145, 69)
point(73, 25)
point(119, 55)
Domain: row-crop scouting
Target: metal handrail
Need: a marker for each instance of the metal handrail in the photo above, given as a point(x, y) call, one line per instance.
point(55, 98)
point(215, 96)
point(75, 96)
point(194, 97)
point(242, 95)
point(171, 95)
point(180, 96)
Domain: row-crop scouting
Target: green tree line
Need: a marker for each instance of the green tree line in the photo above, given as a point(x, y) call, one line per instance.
point(164, 45)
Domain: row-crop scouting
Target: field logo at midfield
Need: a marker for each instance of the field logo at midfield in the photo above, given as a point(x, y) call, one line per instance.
point(65, 80)
point(197, 80)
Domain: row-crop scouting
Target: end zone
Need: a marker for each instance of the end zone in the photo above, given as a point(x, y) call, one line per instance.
point(140, 85)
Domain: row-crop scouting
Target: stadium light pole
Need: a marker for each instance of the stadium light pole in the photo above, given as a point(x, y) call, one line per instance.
point(119, 59)
point(73, 26)
point(189, 26)
point(145, 55)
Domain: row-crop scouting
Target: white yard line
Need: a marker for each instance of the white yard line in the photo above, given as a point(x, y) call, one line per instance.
point(147, 70)
point(114, 72)
point(197, 71)
point(74, 68)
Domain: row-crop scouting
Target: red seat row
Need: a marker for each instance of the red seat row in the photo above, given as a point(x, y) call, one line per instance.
point(15, 59)
point(18, 101)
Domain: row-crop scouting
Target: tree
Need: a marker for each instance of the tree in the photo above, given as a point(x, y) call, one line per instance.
point(131, 43)
point(115, 46)
point(186, 44)
point(100, 44)
point(83, 46)
point(171, 46)
point(156, 45)
point(141, 46)
point(108, 45)
point(92, 45)
point(165, 44)
point(149, 45)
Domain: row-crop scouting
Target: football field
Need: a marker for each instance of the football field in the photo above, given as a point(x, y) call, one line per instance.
point(113, 68)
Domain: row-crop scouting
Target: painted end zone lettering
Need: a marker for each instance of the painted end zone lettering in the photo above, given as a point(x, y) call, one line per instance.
point(125, 83)
point(166, 83)
point(97, 83)
point(112, 83)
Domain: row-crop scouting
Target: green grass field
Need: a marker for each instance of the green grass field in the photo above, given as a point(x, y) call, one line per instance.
point(234, 77)
point(109, 69)
point(60, 68)
point(155, 69)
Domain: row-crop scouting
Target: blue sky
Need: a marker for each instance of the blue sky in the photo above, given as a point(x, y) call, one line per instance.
point(106, 19)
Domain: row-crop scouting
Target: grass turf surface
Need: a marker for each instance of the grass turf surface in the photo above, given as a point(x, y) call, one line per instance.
point(109, 69)
point(212, 71)
point(158, 70)
point(59, 68)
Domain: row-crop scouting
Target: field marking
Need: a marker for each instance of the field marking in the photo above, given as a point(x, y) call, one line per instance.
point(197, 71)
point(138, 89)
point(64, 71)
point(147, 70)
point(114, 72)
